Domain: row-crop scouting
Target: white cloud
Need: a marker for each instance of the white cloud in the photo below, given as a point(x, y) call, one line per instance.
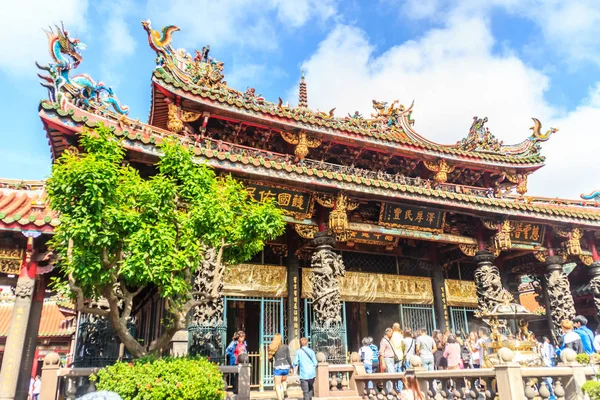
point(569, 28)
point(298, 12)
point(22, 22)
point(240, 22)
point(118, 40)
point(452, 75)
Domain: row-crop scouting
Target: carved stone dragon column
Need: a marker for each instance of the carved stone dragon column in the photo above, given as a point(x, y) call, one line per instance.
point(561, 301)
point(487, 282)
point(595, 284)
point(326, 267)
point(207, 330)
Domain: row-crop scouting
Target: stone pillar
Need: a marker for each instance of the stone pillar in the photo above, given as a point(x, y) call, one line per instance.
point(326, 267)
point(561, 301)
point(439, 299)
point(293, 288)
point(511, 284)
point(595, 284)
point(15, 341)
point(31, 339)
point(487, 281)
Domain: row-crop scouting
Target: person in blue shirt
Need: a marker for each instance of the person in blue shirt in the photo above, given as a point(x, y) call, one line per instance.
point(306, 362)
point(585, 333)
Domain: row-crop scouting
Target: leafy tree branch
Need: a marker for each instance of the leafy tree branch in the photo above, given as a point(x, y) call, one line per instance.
point(121, 234)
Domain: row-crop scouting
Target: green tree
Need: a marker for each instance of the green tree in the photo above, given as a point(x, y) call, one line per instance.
point(121, 233)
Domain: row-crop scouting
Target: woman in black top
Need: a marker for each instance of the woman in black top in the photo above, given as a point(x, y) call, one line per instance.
point(279, 353)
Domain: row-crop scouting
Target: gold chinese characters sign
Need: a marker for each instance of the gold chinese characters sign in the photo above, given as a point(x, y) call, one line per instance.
point(10, 261)
point(255, 280)
point(379, 239)
point(378, 288)
point(411, 217)
point(293, 202)
point(460, 293)
point(524, 232)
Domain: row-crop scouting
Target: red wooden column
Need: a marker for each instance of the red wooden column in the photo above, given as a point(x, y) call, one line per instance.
point(15, 341)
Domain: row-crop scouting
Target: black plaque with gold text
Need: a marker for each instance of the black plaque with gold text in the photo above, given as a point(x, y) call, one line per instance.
point(411, 217)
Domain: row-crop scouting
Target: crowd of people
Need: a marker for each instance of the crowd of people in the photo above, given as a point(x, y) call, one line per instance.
point(439, 351)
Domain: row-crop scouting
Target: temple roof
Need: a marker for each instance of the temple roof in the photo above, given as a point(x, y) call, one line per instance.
point(23, 206)
point(56, 320)
point(201, 80)
point(141, 138)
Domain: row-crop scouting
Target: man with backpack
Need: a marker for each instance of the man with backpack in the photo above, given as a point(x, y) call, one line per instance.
point(306, 362)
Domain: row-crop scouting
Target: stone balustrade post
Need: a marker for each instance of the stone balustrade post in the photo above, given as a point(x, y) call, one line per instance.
point(243, 383)
point(322, 381)
point(508, 376)
point(577, 379)
point(50, 376)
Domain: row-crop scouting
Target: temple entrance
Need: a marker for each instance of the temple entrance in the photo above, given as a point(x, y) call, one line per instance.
point(371, 319)
point(463, 319)
point(260, 318)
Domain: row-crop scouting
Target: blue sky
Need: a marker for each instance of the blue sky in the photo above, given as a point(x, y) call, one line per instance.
point(508, 59)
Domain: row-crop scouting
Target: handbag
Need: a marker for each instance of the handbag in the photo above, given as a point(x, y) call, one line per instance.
point(396, 358)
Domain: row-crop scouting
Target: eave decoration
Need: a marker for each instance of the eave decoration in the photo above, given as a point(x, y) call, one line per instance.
point(501, 239)
point(338, 217)
point(306, 231)
point(520, 180)
point(177, 117)
point(202, 76)
point(572, 245)
point(10, 260)
point(303, 142)
point(441, 169)
point(81, 89)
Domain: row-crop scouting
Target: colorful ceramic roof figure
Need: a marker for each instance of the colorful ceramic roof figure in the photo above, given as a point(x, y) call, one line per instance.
point(595, 195)
point(80, 89)
point(201, 80)
point(193, 89)
point(23, 206)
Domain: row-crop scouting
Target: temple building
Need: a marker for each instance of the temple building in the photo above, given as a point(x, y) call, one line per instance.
point(401, 228)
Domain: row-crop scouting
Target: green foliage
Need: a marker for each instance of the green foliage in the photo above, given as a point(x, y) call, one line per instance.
point(583, 359)
point(165, 378)
point(149, 232)
point(592, 389)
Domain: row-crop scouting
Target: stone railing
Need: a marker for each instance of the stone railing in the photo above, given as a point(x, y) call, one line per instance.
point(508, 381)
point(71, 383)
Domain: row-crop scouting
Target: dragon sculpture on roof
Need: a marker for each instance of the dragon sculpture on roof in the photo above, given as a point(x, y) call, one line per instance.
point(81, 89)
point(389, 122)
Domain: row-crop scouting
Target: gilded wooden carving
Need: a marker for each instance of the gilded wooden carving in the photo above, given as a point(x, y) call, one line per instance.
point(441, 169)
point(255, 280)
point(460, 293)
point(378, 288)
point(10, 261)
point(306, 231)
point(468, 249)
point(303, 142)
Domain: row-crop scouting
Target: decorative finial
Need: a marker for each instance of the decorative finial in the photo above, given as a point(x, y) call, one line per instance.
point(302, 94)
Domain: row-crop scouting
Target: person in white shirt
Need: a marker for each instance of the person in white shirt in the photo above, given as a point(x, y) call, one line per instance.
point(366, 356)
point(37, 388)
point(597, 340)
